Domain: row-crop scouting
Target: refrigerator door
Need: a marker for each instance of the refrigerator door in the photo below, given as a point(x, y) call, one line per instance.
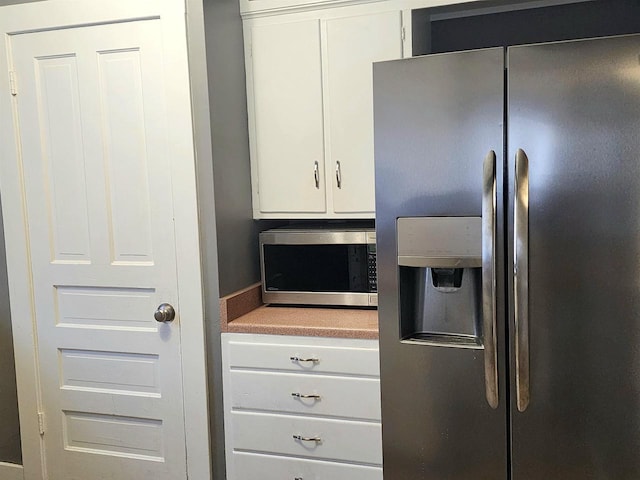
point(574, 114)
point(437, 121)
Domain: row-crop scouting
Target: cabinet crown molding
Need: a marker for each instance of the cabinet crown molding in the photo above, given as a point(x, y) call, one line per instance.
point(265, 8)
point(262, 8)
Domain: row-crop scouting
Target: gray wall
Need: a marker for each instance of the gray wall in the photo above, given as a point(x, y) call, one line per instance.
point(10, 450)
point(208, 236)
point(230, 235)
point(237, 231)
point(13, 2)
point(231, 218)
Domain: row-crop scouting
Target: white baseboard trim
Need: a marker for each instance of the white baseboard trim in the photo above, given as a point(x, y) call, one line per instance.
point(9, 471)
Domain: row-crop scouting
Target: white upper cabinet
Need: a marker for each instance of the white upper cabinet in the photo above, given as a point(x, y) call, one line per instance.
point(310, 105)
point(288, 141)
point(353, 44)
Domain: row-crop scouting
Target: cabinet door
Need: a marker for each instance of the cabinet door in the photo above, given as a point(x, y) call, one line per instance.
point(353, 44)
point(288, 134)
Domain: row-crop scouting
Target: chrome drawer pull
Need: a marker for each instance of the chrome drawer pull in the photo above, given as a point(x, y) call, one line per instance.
point(316, 174)
point(307, 439)
point(300, 395)
point(298, 359)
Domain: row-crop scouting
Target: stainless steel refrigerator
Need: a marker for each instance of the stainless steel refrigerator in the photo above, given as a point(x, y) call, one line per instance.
point(508, 237)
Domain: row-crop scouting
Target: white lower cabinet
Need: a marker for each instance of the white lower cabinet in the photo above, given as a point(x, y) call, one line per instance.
point(301, 408)
point(271, 467)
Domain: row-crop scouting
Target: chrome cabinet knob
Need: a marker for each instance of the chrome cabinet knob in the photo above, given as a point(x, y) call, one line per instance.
point(164, 313)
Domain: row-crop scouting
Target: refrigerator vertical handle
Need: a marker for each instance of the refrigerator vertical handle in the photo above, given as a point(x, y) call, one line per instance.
point(489, 200)
point(521, 278)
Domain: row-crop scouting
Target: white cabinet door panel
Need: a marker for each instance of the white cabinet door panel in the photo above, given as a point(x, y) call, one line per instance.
point(354, 43)
point(357, 398)
point(337, 439)
point(288, 149)
point(270, 467)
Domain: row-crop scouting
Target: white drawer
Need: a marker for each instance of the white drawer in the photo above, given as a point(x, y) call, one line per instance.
point(340, 439)
point(251, 466)
point(321, 358)
point(338, 396)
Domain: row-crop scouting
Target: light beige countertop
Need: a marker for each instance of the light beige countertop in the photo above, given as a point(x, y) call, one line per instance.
point(244, 312)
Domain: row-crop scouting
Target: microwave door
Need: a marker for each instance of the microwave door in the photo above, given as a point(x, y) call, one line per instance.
point(317, 274)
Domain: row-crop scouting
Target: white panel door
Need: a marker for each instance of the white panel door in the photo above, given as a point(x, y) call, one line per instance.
point(95, 155)
point(287, 102)
point(353, 44)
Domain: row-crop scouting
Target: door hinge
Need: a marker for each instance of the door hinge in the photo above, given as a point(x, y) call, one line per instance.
point(404, 33)
point(13, 83)
point(41, 423)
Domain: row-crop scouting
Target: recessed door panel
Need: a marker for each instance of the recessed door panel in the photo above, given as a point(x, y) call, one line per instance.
point(126, 158)
point(60, 123)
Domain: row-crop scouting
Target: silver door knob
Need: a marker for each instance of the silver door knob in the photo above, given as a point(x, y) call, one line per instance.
point(165, 313)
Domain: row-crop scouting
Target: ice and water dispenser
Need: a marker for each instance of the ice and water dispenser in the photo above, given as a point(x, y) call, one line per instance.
point(440, 274)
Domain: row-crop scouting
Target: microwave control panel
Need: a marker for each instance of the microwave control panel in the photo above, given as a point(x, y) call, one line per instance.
point(372, 270)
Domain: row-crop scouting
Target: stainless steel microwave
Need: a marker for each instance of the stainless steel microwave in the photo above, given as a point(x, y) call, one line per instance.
point(319, 267)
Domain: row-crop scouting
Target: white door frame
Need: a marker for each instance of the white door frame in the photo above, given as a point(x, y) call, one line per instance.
point(53, 14)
